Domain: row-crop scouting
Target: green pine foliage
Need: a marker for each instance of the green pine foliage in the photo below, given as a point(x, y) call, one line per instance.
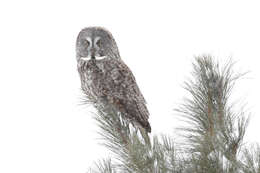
point(213, 133)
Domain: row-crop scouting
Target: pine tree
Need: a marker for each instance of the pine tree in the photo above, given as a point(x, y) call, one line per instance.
point(213, 133)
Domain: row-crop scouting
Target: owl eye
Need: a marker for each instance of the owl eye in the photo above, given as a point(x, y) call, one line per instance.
point(86, 43)
point(99, 43)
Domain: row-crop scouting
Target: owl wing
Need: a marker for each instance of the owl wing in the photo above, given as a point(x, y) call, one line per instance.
point(123, 92)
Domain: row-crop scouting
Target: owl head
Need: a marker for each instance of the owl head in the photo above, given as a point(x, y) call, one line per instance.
point(96, 43)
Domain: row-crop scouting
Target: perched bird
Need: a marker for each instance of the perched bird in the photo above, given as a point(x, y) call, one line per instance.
point(107, 78)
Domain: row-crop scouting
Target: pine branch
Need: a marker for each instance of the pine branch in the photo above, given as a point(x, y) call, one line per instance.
point(104, 166)
point(131, 151)
point(251, 159)
point(213, 134)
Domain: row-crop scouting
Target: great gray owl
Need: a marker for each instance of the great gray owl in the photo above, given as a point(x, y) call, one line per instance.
point(106, 77)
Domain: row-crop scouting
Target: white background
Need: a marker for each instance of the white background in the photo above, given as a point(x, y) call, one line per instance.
point(43, 128)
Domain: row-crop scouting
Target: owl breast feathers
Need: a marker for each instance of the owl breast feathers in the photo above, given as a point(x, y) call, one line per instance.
point(109, 80)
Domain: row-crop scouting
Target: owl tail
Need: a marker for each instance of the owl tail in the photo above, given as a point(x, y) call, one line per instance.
point(147, 127)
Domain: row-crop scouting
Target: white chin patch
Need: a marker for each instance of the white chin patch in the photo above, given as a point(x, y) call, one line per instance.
point(85, 58)
point(89, 58)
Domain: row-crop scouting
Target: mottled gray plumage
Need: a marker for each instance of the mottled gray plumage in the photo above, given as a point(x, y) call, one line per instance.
point(106, 77)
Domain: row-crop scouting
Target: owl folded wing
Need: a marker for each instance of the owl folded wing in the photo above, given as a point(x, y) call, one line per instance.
point(124, 93)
